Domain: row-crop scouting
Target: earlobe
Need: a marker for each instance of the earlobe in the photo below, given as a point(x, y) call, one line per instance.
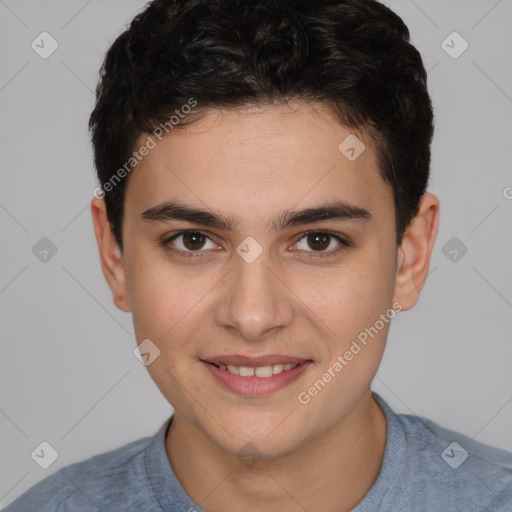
point(415, 252)
point(111, 257)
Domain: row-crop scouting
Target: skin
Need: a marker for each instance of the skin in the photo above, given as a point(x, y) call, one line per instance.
point(252, 165)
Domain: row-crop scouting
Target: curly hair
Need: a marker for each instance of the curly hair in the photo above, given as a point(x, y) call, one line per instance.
point(354, 56)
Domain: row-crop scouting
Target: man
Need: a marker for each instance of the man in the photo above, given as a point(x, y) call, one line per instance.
point(263, 214)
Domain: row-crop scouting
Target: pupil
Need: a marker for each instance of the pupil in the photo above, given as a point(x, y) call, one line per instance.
point(193, 241)
point(321, 240)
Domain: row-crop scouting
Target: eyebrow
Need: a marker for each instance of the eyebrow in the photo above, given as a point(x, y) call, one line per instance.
point(338, 210)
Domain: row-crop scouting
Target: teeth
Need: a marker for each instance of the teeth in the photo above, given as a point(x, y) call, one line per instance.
point(245, 371)
point(263, 371)
point(260, 371)
point(277, 368)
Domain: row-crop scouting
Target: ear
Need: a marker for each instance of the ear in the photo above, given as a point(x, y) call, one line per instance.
point(415, 251)
point(110, 255)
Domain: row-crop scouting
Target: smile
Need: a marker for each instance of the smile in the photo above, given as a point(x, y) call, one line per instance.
point(255, 377)
point(259, 371)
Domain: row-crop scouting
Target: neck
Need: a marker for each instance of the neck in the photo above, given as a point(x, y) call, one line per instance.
point(340, 466)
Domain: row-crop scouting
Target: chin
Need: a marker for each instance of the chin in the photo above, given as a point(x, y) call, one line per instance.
point(254, 436)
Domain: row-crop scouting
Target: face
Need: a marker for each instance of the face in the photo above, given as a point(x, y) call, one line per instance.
point(251, 240)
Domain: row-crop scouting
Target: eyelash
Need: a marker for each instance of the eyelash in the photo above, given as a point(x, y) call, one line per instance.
point(345, 244)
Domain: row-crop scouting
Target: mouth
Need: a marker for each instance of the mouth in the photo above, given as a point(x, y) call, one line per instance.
point(258, 371)
point(255, 376)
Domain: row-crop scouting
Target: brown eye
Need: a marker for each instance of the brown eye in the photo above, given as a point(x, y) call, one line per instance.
point(319, 241)
point(322, 243)
point(190, 242)
point(193, 240)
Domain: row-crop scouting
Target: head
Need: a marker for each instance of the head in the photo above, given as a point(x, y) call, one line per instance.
point(291, 139)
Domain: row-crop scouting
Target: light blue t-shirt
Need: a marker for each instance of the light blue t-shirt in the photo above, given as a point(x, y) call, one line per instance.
point(426, 468)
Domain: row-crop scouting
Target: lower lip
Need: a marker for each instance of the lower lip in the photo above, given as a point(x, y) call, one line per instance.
point(256, 386)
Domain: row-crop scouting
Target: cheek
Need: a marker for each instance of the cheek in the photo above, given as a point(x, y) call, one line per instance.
point(350, 297)
point(154, 293)
point(167, 309)
point(167, 299)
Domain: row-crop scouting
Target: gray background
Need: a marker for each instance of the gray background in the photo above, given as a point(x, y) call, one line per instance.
point(67, 372)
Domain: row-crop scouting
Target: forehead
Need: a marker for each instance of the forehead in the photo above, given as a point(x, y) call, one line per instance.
point(260, 159)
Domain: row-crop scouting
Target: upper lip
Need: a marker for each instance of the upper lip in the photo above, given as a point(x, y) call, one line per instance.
point(254, 361)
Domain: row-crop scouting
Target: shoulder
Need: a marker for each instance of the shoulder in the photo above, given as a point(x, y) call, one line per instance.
point(90, 484)
point(454, 469)
point(426, 438)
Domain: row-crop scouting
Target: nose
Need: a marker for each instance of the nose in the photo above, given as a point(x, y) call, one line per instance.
point(255, 301)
